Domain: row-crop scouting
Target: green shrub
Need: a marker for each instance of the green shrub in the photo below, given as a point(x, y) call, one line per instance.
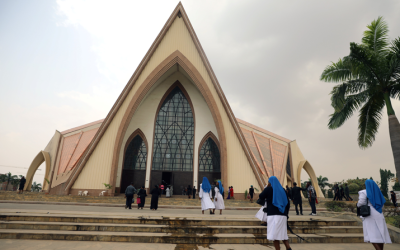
point(330, 194)
point(393, 220)
point(354, 188)
point(339, 206)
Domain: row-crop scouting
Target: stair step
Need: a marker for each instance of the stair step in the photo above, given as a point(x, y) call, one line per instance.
point(170, 221)
point(69, 226)
point(171, 238)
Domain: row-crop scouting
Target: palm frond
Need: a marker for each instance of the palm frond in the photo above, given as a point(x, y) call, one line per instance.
point(337, 72)
point(369, 66)
point(369, 119)
point(393, 57)
point(376, 37)
point(343, 111)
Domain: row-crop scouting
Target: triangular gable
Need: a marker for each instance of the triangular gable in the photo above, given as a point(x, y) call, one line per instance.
point(143, 72)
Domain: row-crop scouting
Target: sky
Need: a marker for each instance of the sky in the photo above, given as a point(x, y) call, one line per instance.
point(64, 63)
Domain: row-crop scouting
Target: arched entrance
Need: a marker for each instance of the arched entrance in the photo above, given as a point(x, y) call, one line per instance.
point(41, 157)
point(209, 159)
point(173, 145)
point(134, 165)
point(310, 171)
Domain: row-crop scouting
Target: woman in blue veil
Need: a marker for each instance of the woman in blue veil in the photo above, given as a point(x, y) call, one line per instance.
point(374, 226)
point(205, 196)
point(218, 199)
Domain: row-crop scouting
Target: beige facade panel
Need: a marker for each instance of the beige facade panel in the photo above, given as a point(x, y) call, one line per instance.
point(41, 157)
point(97, 169)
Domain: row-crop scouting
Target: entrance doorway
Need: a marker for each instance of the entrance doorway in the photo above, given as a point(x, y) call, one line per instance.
point(167, 179)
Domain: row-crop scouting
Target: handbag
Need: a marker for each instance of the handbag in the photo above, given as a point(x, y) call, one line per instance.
point(260, 202)
point(316, 200)
point(138, 200)
point(364, 210)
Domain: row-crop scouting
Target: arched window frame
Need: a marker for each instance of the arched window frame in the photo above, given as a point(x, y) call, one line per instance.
point(140, 133)
point(205, 138)
point(173, 86)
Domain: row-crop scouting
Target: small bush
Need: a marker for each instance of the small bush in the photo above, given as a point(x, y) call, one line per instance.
point(354, 188)
point(330, 194)
point(339, 206)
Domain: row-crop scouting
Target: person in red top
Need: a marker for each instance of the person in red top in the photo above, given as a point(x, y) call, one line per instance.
point(162, 189)
point(231, 192)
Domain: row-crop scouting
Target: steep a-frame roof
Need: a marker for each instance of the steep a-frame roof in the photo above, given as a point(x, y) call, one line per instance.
point(178, 12)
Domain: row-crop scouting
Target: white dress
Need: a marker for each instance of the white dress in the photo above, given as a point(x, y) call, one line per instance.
point(167, 193)
point(206, 202)
point(261, 215)
point(277, 227)
point(374, 226)
point(219, 203)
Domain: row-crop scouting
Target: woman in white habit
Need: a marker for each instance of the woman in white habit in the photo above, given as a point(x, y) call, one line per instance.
point(277, 209)
point(167, 192)
point(261, 215)
point(205, 196)
point(374, 226)
point(218, 199)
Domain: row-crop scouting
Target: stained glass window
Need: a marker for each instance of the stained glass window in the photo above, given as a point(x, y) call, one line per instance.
point(209, 158)
point(136, 154)
point(174, 132)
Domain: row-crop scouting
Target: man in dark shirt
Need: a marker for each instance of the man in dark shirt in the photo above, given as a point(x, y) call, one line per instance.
point(347, 193)
point(393, 198)
point(21, 185)
point(296, 197)
point(129, 192)
point(341, 192)
point(335, 192)
point(251, 192)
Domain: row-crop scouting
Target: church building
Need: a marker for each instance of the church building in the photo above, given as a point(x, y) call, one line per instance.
point(171, 125)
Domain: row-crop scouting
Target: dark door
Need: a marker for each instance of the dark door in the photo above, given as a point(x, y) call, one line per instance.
point(166, 179)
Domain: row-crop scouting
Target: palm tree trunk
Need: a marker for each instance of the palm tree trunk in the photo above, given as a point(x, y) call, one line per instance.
point(394, 131)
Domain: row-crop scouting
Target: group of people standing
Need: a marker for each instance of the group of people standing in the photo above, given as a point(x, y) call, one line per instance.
point(206, 194)
point(294, 194)
point(341, 193)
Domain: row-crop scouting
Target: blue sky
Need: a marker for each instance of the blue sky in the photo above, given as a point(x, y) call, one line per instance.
point(64, 63)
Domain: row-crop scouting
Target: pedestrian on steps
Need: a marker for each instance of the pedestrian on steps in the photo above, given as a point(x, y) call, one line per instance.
point(251, 193)
point(194, 192)
point(277, 210)
point(231, 192)
point(189, 191)
point(142, 196)
point(155, 193)
point(218, 199)
point(312, 196)
point(129, 193)
point(296, 196)
point(205, 195)
point(374, 226)
point(21, 185)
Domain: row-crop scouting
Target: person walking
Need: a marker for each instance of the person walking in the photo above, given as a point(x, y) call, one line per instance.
point(341, 192)
point(311, 198)
point(277, 210)
point(393, 198)
point(261, 215)
point(251, 193)
point(155, 193)
point(142, 196)
point(21, 185)
point(374, 226)
point(129, 193)
point(296, 197)
point(336, 191)
point(204, 195)
point(229, 193)
point(347, 193)
point(232, 193)
point(167, 192)
point(218, 200)
point(189, 191)
point(194, 192)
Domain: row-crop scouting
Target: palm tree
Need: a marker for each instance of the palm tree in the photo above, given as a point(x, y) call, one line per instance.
point(8, 178)
point(322, 182)
point(36, 186)
point(370, 77)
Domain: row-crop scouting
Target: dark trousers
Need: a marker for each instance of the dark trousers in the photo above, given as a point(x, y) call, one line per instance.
point(394, 203)
point(194, 195)
point(312, 205)
point(300, 204)
point(347, 197)
point(336, 198)
point(129, 200)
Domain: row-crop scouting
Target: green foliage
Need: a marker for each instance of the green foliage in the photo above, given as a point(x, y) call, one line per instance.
point(48, 182)
point(36, 187)
point(9, 178)
point(339, 206)
point(386, 175)
point(245, 194)
point(393, 220)
point(330, 194)
point(107, 186)
point(368, 77)
point(396, 186)
point(322, 182)
point(353, 188)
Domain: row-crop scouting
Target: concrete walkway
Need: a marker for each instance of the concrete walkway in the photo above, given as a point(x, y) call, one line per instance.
point(85, 245)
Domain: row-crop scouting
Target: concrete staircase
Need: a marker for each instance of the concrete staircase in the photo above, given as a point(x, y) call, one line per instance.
point(170, 230)
point(177, 200)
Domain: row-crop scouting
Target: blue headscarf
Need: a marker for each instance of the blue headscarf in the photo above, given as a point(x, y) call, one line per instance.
point(279, 198)
point(220, 187)
point(206, 185)
point(375, 195)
